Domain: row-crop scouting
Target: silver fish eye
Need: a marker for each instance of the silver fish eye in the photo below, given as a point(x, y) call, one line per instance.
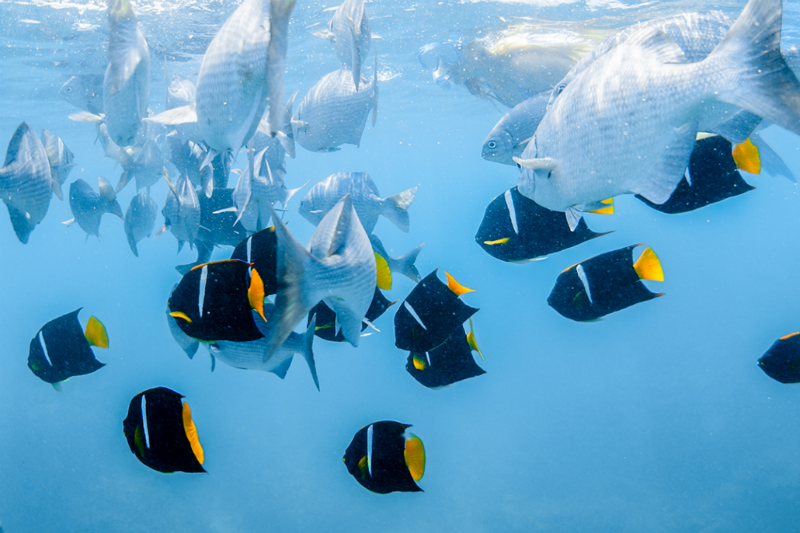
point(492, 145)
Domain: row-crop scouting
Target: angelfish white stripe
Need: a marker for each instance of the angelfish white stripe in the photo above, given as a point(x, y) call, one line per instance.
point(585, 281)
point(428, 357)
point(688, 177)
point(414, 314)
point(203, 280)
point(144, 421)
point(44, 349)
point(249, 248)
point(369, 449)
point(511, 211)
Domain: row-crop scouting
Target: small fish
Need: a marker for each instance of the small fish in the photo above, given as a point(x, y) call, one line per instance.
point(187, 344)
point(123, 156)
point(60, 158)
point(188, 157)
point(338, 267)
point(782, 361)
point(212, 302)
point(383, 458)
point(88, 207)
point(405, 264)
point(430, 313)
point(349, 32)
point(448, 363)
point(161, 433)
point(140, 219)
point(261, 250)
point(512, 133)
point(146, 167)
point(326, 318)
point(26, 183)
point(181, 91)
point(366, 200)
point(517, 229)
point(62, 349)
point(181, 210)
point(334, 112)
point(276, 146)
point(84, 91)
point(605, 284)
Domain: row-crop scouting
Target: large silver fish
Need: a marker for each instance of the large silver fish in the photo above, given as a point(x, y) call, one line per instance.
point(84, 91)
point(512, 133)
point(337, 267)
point(181, 211)
point(365, 197)
point(628, 122)
point(60, 158)
point(333, 112)
point(242, 68)
point(26, 183)
point(140, 219)
point(88, 207)
point(349, 32)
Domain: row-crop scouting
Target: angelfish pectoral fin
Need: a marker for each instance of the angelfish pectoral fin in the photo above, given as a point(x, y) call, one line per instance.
point(96, 333)
point(648, 266)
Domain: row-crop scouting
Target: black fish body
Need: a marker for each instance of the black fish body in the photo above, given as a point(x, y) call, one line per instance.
point(782, 361)
point(446, 364)
point(261, 249)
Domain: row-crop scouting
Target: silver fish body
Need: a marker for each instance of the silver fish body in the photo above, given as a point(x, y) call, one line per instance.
point(512, 133)
point(181, 92)
point(365, 198)
point(126, 86)
point(333, 112)
point(140, 219)
point(182, 211)
point(88, 207)
point(349, 31)
point(84, 91)
point(146, 167)
point(26, 184)
point(60, 158)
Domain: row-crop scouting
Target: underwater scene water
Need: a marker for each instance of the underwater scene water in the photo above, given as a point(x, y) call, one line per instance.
point(655, 418)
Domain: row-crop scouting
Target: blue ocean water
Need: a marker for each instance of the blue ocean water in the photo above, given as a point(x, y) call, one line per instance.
point(656, 419)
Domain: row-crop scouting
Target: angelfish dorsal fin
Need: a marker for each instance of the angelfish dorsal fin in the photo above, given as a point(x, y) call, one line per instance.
point(648, 266)
point(96, 333)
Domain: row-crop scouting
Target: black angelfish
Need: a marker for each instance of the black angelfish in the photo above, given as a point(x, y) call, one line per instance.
point(605, 284)
point(213, 302)
point(384, 459)
point(449, 362)
point(430, 313)
point(62, 349)
point(712, 175)
point(261, 249)
point(517, 229)
point(326, 318)
point(782, 361)
point(161, 433)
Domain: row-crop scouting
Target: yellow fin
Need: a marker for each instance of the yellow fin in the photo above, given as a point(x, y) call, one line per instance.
point(384, 274)
point(455, 286)
point(498, 241)
point(415, 457)
point(96, 333)
point(419, 363)
point(137, 440)
point(191, 434)
point(790, 335)
point(648, 266)
point(746, 157)
point(181, 314)
point(471, 339)
point(255, 293)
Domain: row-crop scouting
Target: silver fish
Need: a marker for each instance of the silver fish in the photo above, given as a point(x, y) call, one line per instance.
point(597, 141)
point(277, 146)
point(242, 68)
point(333, 112)
point(349, 32)
point(251, 355)
point(511, 135)
point(145, 167)
point(84, 91)
point(365, 197)
point(405, 264)
point(338, 267)
point(181, 91)
point(60, 158)
point(88, 207)
point(26, 183)
point(181, 211)
point(140, 219)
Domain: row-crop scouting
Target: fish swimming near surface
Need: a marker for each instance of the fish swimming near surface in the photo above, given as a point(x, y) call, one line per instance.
point(62, 349)
point(241, 69)
point(596, 142)
point(60, 158)
point(261, 251)
point(334, 112)
point(161, 434)
point(384, 458)
point(140, 219)
point(181, 211)
point(366, 200)
point(88, 207)
point(212, 302)
point(326, 318)
point(338, 267)
point(516, 229)
point(84, 91)
point(405, 264)
point(430, 313)
point(605, 284)
point(512, 133)
point(181, 91)
point(448, 363)
point(26, 183)
point(349, 32)
point(782, 361)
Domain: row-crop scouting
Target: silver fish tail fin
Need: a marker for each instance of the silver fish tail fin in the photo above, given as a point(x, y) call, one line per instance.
point(763, 83)
point(286, 134)
point(407, 265)
point(279, 13)
point(107, 194)
point(395, 208)
point(307, 350)
point(289, 194)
